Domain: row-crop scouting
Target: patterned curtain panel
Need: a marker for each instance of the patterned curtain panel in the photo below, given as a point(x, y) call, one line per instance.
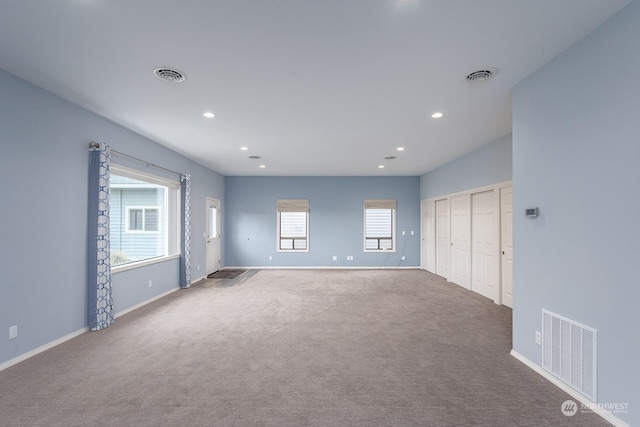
point(185, 241)
point(99, 268)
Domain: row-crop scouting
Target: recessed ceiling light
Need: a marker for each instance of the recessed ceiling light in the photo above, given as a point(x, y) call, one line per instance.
point(400, 148)
point(263, 166)
point(244, 148)
point(380, 166)
point(437, 115)
point(209, 115)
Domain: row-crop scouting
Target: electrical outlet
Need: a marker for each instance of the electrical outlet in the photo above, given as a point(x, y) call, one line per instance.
point(335, 257)
point(13, 332)
point(404, 232)
point(403, 258)
point(150, 283)
point(538, 338)
point(349, 257)
point(412, 232)
point(198, 267)
point(270, 258)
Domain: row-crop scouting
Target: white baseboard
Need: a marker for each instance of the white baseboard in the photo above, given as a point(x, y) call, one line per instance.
point(145, 302)
point(315, 267)
point(65, 338)
point(41, 349)
point(608, 416)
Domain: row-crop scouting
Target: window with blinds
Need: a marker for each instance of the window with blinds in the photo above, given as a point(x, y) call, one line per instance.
point(379, 225)
point(293, 225)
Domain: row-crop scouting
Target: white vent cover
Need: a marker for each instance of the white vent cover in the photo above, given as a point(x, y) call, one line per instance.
point(169, 75)
point(481, 75)
point(569, 353)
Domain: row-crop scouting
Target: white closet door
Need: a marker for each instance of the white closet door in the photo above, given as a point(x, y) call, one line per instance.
point(442, 238)
point(461, 241)
point(506, 201)
point(429, 236)
point(485, 245)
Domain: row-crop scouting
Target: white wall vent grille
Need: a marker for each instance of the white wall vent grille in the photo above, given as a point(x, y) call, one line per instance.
point(569, 353)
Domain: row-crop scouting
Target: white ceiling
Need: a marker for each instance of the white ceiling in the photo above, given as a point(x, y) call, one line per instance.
point(315, 87)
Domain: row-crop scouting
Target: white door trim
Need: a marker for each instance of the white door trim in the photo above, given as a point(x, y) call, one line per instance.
point(210, 252)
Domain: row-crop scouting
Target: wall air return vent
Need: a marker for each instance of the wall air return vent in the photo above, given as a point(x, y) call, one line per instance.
point(569, 353)
point(169, 75)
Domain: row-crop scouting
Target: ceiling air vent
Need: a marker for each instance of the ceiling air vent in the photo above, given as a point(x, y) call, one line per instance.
point(481, 75)
point(255, 157)
point(169, 75)
point(390, 158)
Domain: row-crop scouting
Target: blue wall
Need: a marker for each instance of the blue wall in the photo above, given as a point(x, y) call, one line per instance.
point(44, 170)
point(489, 164)
point(335, 220)
point(576, 156)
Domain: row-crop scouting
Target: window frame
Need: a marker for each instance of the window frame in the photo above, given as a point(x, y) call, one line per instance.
point(171, 216)
point(291, 205)
point(144, 219)
point(379, 204)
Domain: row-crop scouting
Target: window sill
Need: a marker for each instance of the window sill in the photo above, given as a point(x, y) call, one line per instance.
point(144, 263)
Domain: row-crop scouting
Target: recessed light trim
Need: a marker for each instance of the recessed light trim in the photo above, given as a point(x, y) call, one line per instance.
point(380, 166)
point(208, 115)
point(400, 149)
point(437, 115)
point(244, 148)
point(263, 166)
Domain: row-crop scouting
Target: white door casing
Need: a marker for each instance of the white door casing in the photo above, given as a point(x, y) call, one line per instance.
point(461, 241)
point(213, 236)
point(429, 236)
point(443, 248)
point(485, 261)
point(506, 222)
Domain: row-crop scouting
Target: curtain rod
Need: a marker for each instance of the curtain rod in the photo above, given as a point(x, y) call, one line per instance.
point(97, 145)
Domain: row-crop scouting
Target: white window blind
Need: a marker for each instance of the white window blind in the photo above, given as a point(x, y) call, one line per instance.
point(379, 220)
point(293, 224)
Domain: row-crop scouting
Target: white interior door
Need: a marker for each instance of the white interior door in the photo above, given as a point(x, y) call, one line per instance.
point(213, 235)
point(443, 248)
point(485, 261)
point(429, 236)
point(506, 212)
point(461, 241)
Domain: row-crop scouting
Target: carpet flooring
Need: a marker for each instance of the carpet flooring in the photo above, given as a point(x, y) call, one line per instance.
point(293, 348)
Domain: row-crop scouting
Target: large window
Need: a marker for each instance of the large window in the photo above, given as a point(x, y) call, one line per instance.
point(379, 225)
point(143, 216)
point(293, 225)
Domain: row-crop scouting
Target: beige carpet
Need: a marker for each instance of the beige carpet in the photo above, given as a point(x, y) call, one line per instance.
point(293, 348)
